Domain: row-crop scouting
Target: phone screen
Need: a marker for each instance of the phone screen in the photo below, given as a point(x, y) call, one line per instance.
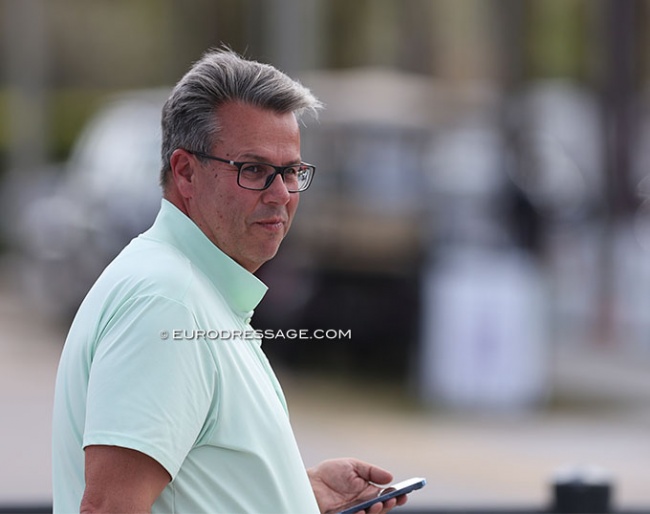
point(389, 492)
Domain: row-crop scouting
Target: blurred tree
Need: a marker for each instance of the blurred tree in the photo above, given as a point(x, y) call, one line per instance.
point(415, 39)
point(380, 33)
point(293, 34)
point(196, 25)
point(347, 30)
point(557, 38)
point(464, 44)
point(107, 44)
point(25, 76)
point(618, 83)
point(94, 48)
point(643, 60)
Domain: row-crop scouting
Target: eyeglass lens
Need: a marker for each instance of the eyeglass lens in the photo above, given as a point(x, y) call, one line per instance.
point(259, 176)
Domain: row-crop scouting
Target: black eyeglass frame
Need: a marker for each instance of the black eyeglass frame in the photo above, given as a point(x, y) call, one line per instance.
point(279, 170)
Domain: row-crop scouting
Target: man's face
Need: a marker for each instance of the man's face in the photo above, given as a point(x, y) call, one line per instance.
point(246, 225)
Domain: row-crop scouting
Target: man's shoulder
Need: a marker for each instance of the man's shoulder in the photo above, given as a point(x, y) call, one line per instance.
point(149, 267)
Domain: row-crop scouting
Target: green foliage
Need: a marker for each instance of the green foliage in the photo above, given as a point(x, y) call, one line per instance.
point(67, 112)
point(557, 42)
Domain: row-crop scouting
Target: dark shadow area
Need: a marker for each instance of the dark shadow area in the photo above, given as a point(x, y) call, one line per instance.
point(360, 324)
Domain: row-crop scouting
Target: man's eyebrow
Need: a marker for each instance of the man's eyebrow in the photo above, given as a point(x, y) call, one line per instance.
point(251, 157)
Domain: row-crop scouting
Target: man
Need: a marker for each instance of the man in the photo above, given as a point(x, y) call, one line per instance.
point(148, 421)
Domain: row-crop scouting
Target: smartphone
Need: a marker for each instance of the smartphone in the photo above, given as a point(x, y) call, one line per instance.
point(391, 491)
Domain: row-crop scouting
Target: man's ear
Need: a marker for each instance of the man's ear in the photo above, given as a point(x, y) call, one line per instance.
point(183, 165)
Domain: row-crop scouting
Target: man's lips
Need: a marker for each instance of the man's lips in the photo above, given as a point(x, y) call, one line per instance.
point(272, 223)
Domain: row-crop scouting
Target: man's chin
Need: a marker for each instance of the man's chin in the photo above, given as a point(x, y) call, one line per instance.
point(262, 258)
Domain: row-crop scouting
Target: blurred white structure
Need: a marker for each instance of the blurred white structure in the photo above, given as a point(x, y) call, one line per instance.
point(106, 194)
point(484, 331)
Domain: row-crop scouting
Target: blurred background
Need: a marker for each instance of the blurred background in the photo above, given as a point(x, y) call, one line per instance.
point(479, 226)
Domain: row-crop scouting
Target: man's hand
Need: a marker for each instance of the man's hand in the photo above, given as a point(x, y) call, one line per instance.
point(338, 482)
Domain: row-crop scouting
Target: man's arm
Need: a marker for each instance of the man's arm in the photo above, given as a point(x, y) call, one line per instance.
point(121, 480)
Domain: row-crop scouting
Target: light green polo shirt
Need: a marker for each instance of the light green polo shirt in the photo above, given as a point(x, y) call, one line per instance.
point(161, 358)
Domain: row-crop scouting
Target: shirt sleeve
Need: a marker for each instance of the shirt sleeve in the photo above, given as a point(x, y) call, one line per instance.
point(148, 390)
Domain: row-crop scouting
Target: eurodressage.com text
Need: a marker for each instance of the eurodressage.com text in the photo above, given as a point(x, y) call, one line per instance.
point(291, 334)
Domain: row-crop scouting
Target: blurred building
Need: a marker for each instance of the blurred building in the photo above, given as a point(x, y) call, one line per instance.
point(502, 124)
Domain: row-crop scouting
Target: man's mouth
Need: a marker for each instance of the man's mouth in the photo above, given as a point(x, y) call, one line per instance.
point(272, 224)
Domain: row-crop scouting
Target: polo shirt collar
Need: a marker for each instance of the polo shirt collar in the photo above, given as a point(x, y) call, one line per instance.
point(242, 290)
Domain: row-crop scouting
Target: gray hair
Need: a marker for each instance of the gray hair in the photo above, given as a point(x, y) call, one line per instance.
point(221, 76)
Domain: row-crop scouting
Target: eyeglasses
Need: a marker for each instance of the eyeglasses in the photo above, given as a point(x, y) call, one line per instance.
point(258, 176)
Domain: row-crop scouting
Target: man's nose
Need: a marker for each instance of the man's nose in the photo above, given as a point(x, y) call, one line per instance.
point(277, 191)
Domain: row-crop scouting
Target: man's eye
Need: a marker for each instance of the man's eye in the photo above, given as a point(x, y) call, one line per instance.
point(254, 169)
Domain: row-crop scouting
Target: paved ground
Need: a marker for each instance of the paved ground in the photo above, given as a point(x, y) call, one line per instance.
point(476, 460)
point(468, 460)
